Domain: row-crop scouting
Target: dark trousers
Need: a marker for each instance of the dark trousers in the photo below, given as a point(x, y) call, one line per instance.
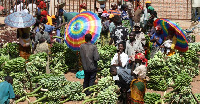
point(89, 80)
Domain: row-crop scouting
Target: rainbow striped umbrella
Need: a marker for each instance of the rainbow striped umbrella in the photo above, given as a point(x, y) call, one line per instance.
point(82, 24)
point(182, 42)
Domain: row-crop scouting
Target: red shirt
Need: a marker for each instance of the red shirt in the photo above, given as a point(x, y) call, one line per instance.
point(42, 5)
point(44, 13)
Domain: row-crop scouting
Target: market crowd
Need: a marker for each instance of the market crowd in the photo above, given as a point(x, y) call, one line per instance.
point(130, 29)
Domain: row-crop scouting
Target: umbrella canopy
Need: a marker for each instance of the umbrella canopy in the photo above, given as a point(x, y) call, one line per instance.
point(182, 42)
point(82, 24)
point(68, 16)
point(1, 8)
point(20, 20)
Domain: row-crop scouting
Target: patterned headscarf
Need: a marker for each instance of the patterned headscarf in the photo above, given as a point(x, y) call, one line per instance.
point(158, 27)
point(140, 56)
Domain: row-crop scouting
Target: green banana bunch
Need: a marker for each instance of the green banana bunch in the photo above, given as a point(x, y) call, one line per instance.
point(14, 65)
point(41, 55)
point(53, 82)
point(108, 96)
point(3, 58)
point(18, 87)
point(198, 96)
point(151, 98)
point(13, 49)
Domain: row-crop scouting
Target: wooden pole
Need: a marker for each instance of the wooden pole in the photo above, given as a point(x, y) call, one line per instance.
point(95, 5)
point(79, 5)
point(91, 5)
point(69, 5)
point(73, 5)
point(86, 5)
point(9, 6)
point(16, 5)
point(32, 8)
point(54, 7)
point(187, 10)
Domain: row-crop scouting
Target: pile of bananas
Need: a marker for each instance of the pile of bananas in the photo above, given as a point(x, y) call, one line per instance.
point(151, 98)
point(14, 65)
point(106, 53)
point(3, 58)
point(18, 87)
point(105, 92)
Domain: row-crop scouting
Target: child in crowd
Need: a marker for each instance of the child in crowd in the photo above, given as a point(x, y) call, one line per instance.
point(169, 44)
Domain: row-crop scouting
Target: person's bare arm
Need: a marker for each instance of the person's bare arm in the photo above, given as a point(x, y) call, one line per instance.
point(60, 25)
point(111, 41)
point(119, 60)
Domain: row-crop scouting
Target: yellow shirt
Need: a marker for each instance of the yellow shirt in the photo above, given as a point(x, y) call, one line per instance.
point(82, 10)
point(173, 42)
point(49, 20)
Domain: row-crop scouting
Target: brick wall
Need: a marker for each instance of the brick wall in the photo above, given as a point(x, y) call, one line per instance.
point(176, 9)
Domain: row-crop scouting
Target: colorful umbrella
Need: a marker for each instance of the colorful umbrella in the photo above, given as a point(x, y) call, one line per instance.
point(182, 42)
point(1, 8)
point(68, 16)
point(20, 20)
point(82, 24)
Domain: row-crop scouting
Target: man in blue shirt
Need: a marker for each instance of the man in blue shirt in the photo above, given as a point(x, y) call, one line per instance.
point(6, 90)
point(157, 40)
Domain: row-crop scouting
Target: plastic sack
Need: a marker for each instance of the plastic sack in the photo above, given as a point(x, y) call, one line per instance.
point(80, 74)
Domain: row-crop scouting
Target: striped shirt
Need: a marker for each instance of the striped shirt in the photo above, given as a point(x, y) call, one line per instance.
point(114, 12)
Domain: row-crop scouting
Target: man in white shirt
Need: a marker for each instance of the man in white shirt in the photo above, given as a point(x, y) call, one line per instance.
point(133, 46)
point(32, 7)
point(19, 6)
point(120, 59)
point(139, 35)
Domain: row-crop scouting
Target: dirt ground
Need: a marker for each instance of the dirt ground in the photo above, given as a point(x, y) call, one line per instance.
point(72, 77)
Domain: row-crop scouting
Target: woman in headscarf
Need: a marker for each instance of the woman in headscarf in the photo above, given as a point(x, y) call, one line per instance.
point(138, 85)
point(157, 39)
point(83, 7)
point(25, 42)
